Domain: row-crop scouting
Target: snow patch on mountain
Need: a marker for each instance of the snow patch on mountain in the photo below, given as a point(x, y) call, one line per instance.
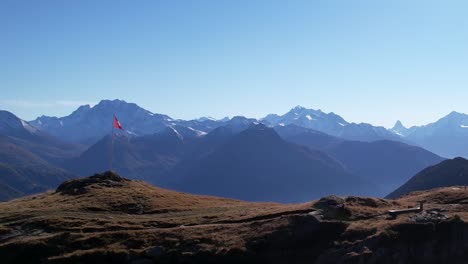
point(198, 132)
point(176, 132)
point(206, 118)
point(27, 126)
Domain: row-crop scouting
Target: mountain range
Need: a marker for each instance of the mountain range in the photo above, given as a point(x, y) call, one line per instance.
point(297, 156)
point(85, 125)
point(258, 165)
point(447, 136)
point(255, 156)
point(330, 124)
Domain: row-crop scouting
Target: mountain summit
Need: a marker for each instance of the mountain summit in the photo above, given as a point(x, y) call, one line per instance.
point(87, 124)
point(400, 129)
point(331, 124)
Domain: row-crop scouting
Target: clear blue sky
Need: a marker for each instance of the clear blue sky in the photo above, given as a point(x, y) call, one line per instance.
point(369, 61)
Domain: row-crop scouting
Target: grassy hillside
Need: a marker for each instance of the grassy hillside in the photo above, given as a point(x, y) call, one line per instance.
point(109, 219)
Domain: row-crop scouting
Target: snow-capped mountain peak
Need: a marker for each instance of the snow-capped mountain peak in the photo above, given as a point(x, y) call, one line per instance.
point(329, 123)
point(400, 129)
point(87, 124)
point(446, 137)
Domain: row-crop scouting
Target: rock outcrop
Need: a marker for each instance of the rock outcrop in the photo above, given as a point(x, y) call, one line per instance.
point(80, 186)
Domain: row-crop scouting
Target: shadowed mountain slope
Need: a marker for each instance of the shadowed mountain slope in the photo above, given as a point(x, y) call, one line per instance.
point(46, 146)
point(257, 165)
point(447, 173)
point(152, 157)
point(385, 163)
point(146, 158)
point(22, 172)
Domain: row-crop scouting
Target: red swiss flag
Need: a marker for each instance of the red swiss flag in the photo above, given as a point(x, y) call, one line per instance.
point(117, 123)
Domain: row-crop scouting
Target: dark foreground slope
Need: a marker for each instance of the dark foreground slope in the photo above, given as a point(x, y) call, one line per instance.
point(109, 219)
point(447, 173)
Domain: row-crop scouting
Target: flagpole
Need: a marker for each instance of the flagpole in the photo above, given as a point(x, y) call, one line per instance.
point(112, 146)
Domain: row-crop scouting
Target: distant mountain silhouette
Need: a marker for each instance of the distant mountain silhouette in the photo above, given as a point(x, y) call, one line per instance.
point(331, 124)
point(400, 129)
point(447, 173)
point(447, 137)
point(22, 172)
point(257, 165)
point(385, 163)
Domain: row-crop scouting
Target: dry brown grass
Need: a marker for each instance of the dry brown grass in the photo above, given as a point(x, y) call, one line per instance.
point(135, 216)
